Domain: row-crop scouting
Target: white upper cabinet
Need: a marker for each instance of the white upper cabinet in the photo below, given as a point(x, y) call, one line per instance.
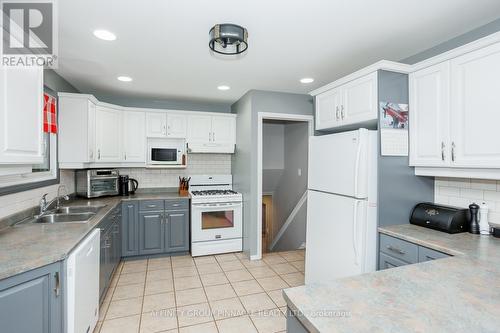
point(21, 111)
point(134, 136)
point(454, 116)
point(108, 134)
point(354, 102)
point(176, 125)
point(328, 109)
point(475, 105)
point(211, 134)
point(223, 130)
point(166, 125)
point(76, 130)
point(359, 102)
point(94, 134)
point(156, 124)
point(199, 129)
point(429, 116)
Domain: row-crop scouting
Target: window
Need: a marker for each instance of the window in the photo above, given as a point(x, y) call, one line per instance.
point(35, 175)
point(17, 178)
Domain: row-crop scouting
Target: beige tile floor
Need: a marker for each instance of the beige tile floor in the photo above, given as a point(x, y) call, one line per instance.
point(223, 293)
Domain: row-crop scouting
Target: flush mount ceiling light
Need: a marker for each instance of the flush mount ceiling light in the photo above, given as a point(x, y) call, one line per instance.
point(104, 34)
point(307, 80)
point(229, 39)
point(223, 87)
point(124, 78)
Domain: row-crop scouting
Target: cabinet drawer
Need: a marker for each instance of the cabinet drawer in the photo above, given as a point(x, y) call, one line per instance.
point(386, 262)
point(426, 254)
point(176, 204)
point(399, 248)
point(151, 205)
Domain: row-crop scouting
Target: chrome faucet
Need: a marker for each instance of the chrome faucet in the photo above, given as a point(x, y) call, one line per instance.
point(44, 205)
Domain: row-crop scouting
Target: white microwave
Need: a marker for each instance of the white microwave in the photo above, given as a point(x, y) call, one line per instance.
point(166, 151)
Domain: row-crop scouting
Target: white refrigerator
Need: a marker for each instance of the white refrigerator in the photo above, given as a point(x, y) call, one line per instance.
point(341, 236)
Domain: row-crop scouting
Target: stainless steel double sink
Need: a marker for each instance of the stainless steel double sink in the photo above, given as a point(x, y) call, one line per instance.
point(69, 214)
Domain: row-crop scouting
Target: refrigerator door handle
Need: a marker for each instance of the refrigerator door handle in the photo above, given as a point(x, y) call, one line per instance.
point(356, 168)
point(355, 233)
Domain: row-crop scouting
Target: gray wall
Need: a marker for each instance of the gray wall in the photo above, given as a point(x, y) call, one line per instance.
point(143, 102)
point(399, 189)
point(57, 83)
point(244, 166)
point(292, 186)
point(273, 146)
point(468, 37)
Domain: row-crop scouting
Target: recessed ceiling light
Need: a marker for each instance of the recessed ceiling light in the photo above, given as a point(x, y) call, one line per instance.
point(124, 78)
point(223, 87)
point(104, 34)
point(307, 80)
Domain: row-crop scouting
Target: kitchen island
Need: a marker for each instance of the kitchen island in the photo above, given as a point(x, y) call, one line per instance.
point(455, 294)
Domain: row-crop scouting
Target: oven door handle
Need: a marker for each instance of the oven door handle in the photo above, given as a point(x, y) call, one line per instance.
point(218, 205)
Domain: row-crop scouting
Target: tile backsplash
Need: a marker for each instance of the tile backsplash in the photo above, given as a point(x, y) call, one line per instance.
point(462, 192)
point(198, 164)
point(13, 203)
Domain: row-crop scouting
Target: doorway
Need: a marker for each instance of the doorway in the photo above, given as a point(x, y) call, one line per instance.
point(282, 179)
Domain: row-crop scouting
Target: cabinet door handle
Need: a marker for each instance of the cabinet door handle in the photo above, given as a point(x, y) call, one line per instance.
point(395, 249)
point(151, 206)
point(337, 112)
point(453, 151)
point(57, 288)
point(125, 156)
point(91, 154)
point(342, 111)
point(213, 136)
point(164, 129)
point(98, 154)
point(443, 146)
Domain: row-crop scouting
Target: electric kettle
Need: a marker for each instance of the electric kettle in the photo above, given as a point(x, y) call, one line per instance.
point(133, 185)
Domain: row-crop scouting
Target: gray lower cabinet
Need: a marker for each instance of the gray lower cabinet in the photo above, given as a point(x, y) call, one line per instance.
point(293, 325)
point(177, 233)
point(386, 262)
point(130, 228)
point(426, 254)
point(155, 226)
point(395, 252)
point(151, 231)
point(110, 248)
point(31, 302)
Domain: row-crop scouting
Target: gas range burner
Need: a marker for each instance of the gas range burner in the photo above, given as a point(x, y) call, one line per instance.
point(214, 192)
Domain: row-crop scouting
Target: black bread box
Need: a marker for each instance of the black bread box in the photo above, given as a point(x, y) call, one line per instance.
point(443, 218)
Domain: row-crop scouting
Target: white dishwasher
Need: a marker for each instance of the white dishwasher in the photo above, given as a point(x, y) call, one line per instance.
point(82, 276)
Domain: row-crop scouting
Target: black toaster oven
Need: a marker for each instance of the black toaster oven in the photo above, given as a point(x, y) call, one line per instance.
point(443, 218)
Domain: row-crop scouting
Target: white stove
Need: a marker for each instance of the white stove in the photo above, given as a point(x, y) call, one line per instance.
point(216, 215)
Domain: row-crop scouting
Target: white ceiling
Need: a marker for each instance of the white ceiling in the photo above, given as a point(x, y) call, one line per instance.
point(163, 44)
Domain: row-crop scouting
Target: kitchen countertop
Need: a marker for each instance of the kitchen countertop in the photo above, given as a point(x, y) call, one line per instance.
point(28, 246)
point(455, 294)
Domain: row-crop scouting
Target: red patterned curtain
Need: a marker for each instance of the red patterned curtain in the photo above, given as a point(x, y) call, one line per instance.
point(49, 114)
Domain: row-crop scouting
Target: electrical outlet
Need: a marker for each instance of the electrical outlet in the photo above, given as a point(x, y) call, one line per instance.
point(299, 172)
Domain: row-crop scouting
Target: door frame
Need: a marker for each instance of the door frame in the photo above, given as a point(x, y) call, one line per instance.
point(261, 116)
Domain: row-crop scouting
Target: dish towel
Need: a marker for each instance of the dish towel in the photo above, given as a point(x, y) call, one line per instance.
point(49, 114)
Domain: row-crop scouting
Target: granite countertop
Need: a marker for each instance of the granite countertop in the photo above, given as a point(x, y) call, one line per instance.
point(455, 294)
point(28, 246)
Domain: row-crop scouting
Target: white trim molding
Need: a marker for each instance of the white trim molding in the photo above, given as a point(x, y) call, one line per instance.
point(458, 172)
point(380, 65)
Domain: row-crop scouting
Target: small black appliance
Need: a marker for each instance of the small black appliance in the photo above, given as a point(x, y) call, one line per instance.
point(133, 185)
point(443, 218)
point(124, 185)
